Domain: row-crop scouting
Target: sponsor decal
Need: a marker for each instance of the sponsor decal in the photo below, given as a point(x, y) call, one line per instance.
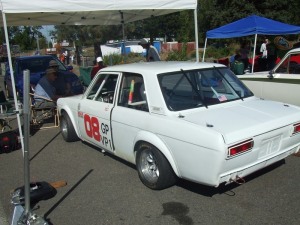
point(80, 114)
point(97, 130)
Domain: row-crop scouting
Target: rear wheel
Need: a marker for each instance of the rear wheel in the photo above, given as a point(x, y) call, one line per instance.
point(153, 168)
point(67, 129)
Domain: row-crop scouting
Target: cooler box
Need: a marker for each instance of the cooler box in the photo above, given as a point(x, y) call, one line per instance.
point(238, 68)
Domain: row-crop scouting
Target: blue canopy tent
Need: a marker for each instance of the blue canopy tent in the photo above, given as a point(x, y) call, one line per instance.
point(251, 25)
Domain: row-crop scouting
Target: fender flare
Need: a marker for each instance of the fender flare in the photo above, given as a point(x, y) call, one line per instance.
point(70, 114)
point(145, 136)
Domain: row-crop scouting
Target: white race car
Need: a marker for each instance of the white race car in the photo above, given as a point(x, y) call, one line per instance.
point(195, 121)
point(282, 83)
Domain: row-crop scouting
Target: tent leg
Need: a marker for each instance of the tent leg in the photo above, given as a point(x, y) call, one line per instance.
point(196, 35)
point(12, 79)
point(204, 50)
point(253, 57)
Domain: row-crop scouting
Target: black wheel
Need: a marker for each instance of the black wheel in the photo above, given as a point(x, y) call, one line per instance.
point(153, 168)
point(67, 129)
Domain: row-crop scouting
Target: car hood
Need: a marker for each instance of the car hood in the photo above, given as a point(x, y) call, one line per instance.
point(244, 119)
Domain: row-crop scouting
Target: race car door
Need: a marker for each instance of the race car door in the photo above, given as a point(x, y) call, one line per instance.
point(94, 111)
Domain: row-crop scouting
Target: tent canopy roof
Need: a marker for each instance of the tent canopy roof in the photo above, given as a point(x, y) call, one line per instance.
point(252, 25)
point(86, 12)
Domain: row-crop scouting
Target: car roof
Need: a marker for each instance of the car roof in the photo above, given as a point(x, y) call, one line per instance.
point(35, 57)
point(294, 50)
point(159, 67)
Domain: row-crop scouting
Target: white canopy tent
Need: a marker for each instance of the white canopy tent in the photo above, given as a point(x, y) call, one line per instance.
point(85, 12)
point(82, 12)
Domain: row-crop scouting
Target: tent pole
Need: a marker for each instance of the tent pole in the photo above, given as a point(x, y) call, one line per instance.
point(12, 79)
point(204, 50)
point(253, 57)
point(196, 34)
point(26, 161)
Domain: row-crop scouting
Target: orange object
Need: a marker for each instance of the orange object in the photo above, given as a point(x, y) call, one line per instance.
point(131, 92)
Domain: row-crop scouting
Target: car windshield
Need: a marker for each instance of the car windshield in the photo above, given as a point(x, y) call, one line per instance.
point(200, 88)
point(37, 65)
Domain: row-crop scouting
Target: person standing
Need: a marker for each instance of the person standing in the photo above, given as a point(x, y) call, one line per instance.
point(263, 63)
point(263, 48)
point(151, 52)
point(244, 52)
point(97, 67)
point(272, 55)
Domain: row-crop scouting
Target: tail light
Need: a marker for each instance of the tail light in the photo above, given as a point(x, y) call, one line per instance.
point(240, 148)
point(296, 128)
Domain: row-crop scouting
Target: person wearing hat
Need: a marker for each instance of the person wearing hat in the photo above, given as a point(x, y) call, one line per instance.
point(45, 92)
point(97, 67)
point(151, 52)
point(61, 84)
point(53, 64)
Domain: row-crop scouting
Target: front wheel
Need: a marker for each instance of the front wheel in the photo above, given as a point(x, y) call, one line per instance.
point(153, 168)
point(67, 129)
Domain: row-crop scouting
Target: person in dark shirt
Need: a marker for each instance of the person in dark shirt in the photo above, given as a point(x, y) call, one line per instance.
point(97, 67)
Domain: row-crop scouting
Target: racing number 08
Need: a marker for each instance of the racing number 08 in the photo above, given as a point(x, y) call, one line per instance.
point(92, 127)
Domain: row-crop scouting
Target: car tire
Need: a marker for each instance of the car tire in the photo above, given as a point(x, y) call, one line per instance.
point(67, 129)
point(153, 168)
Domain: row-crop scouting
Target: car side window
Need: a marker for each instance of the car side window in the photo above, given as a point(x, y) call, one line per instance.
point(290, 65)
point(104, 88)
point(132, 92)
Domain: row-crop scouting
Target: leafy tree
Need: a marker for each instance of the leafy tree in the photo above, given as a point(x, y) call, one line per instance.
point(25, 37)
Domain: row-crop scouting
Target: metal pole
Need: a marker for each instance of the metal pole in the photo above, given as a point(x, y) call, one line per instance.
point(254, 49)
point(38, 44)
point(12, 79)
point(123, 34)
point(26, 76)
point(204, 50)
point(196, 34)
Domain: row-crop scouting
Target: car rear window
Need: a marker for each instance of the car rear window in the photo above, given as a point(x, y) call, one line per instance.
point(197, 88)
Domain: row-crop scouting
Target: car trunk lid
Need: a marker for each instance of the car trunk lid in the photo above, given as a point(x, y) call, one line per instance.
point(244, 119)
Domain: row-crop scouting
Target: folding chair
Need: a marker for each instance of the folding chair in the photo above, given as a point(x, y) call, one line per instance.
point(7, 112)
point(40, 116)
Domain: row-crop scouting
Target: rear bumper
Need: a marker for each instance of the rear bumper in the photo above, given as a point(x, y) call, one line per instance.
point(232, 176)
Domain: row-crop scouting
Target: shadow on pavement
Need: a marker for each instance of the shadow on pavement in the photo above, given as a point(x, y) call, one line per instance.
point(36, 154)
point(66, 195)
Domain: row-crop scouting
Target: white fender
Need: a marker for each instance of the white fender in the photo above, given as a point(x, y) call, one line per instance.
point(160, 145)
point(72, 118)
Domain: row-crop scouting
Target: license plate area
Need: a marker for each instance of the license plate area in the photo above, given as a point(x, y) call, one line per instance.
point(269, 146)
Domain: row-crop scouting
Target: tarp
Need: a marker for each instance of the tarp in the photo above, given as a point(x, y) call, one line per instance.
point(252, 25)
point(87, 12)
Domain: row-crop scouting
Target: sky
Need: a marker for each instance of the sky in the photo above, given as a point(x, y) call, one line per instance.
point(45, 31)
